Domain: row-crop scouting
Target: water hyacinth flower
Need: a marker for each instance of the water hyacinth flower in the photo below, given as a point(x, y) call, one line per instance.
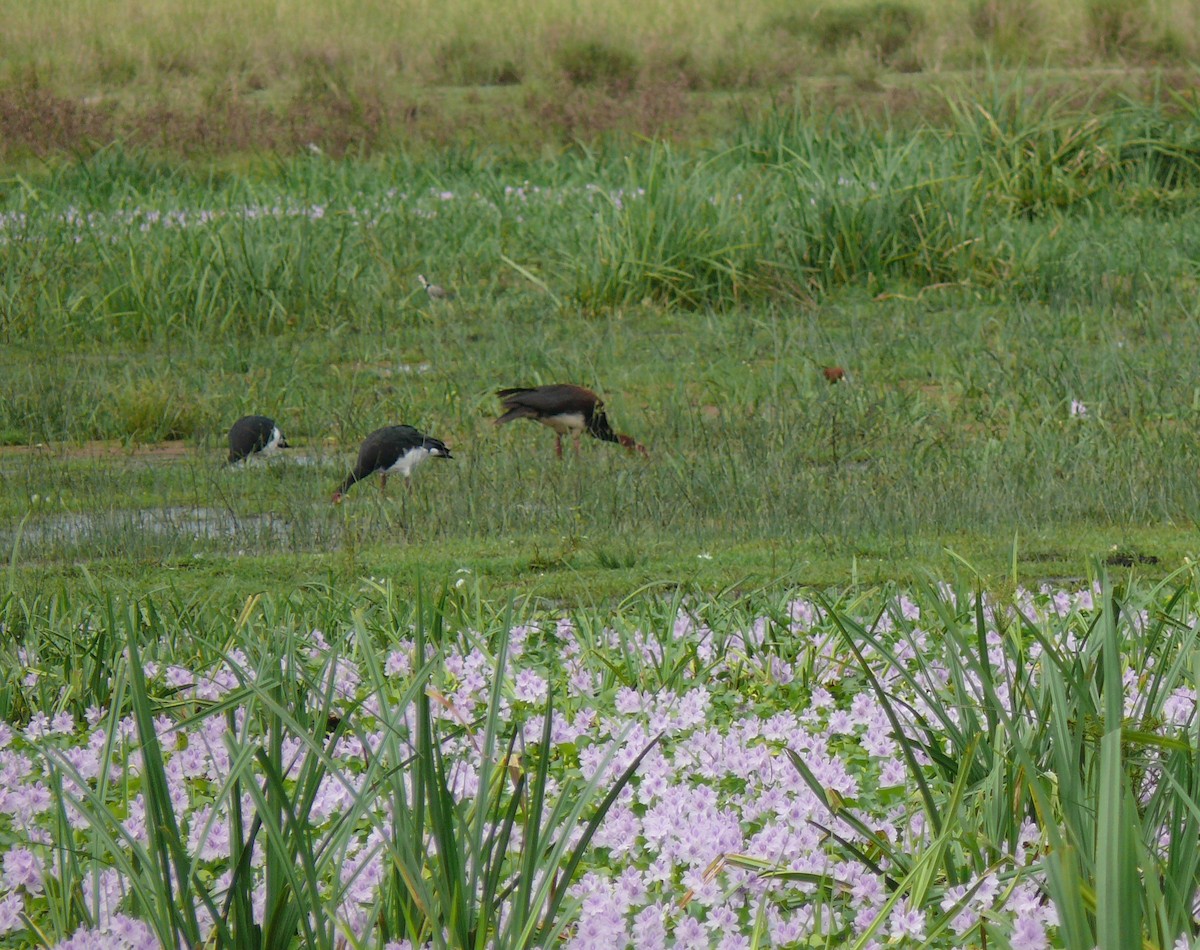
point(678, 858)
point(22, 870)
point(1028, 934)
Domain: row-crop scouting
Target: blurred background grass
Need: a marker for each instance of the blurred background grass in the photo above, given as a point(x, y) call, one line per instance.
point(360, 77)
point(293, 44)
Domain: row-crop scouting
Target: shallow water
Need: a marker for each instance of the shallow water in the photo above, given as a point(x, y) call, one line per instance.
point(201, 523)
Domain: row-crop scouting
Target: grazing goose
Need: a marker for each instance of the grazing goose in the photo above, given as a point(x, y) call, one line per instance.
point(435, 291)
point(565, 409)
point(392, 449)
point(254, 435)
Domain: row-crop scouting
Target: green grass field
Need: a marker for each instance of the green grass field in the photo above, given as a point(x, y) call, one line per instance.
point(1009, 294)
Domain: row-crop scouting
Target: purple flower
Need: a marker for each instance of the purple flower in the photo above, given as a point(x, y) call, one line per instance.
point(11, 908)
point(892, 773)
point(25, 801)
point(907, 922)
point(649, 930)
point(530, 687)
point(601, 925)
point(1179, 709)
point(840, 722)
point(865, 916)
point(619, 832)
point(878, 743)
point(398, 663)
point(178, 677)
point(22, 869)
point(84, 760)
point(1028, 934)
point(39, 726)
point(691, 934)
point(630, 889)
point(785, 930)
point(722, 921)
point(869, 890)
point(132, 932)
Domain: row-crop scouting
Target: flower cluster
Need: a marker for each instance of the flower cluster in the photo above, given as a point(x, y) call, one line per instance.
point(783, 751)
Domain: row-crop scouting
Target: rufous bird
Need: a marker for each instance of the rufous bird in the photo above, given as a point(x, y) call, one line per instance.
point(566, 409)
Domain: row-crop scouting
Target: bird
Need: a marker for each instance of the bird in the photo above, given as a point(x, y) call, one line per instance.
point(565, 409)
point(254, 435)
point(435, 291)
point(392, 449)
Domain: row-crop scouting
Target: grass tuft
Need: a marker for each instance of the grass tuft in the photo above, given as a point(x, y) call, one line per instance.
point(152, 410)
point(598, 63)
point(886, 29)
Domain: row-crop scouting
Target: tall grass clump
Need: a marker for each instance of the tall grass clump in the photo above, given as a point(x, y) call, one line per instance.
point(885, 30)
point(674, 231)
point(879, 211)
point(503, 865)
point(1130, 29)
point(1032, 157)
point(150, 410)
point(984, 202)
point(597, 63)
point(1159, 148)
point(1011, 30)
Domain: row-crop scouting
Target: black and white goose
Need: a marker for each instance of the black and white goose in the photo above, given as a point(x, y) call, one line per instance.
point(566, 409)
point(435, 291)
point(254, 435)
point(392, 449)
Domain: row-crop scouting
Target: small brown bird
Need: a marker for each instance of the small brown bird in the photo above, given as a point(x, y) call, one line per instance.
point(392, 449)
point(835, 374)
point(565, 409)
